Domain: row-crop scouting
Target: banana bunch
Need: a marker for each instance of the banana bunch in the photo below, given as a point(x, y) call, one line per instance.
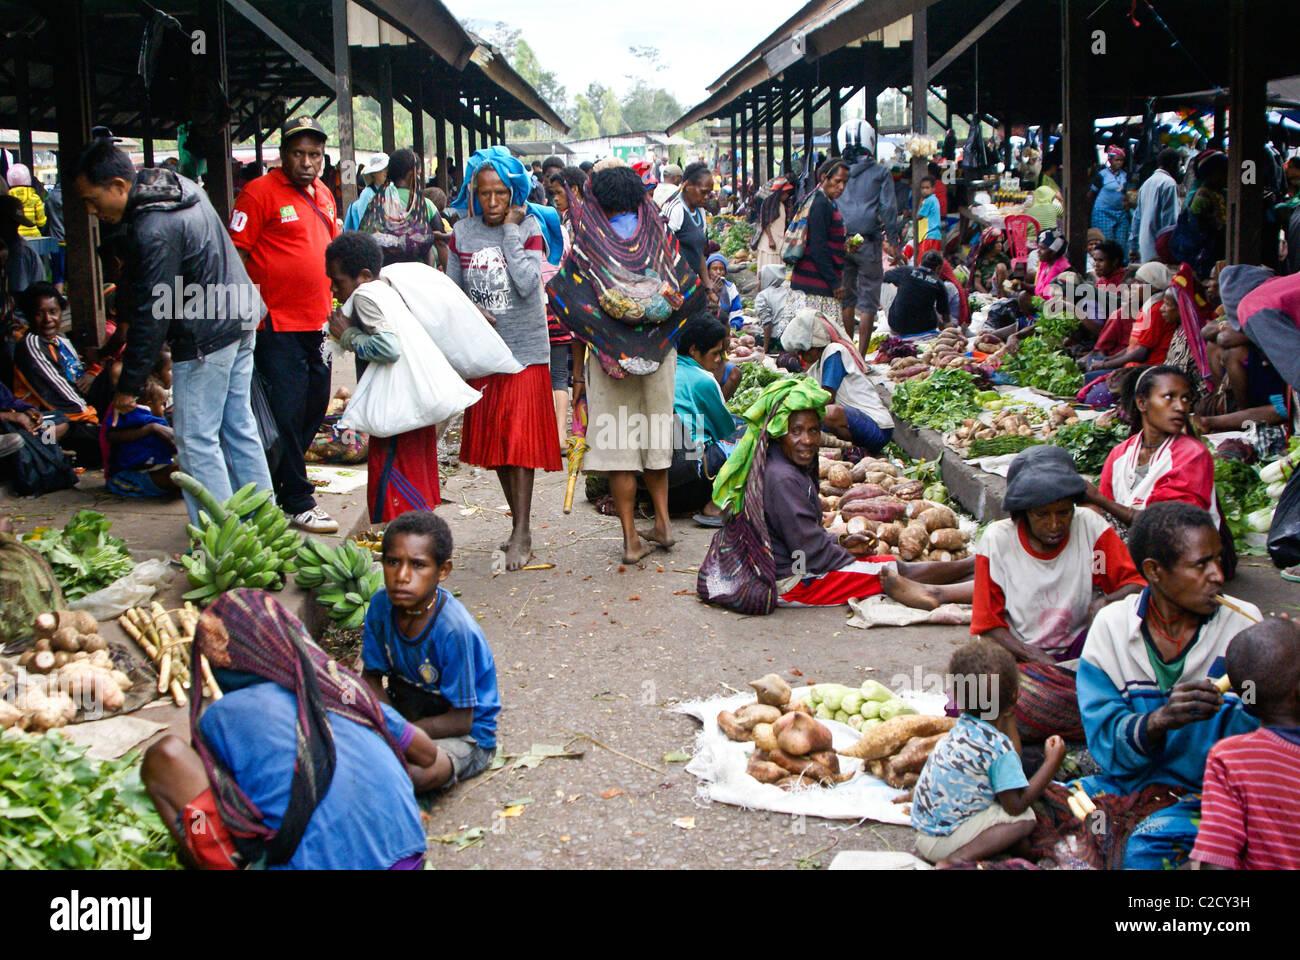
point(344, 578)
point(244, 542)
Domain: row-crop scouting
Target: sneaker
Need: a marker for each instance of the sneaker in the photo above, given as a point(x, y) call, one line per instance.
point(316, 520)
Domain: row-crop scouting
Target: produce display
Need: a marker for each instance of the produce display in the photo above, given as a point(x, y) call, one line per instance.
point(170, 649)
point(753, 378)
point(1010, 430)
point(244, 542)
point(1089, 442)
point(82, 555)
point(1246, 499)
point(861, 708)
point(1037, 364)
point(65, 811)
point(896, 749)
point(344, 578)
point(67, 669)
point(734, 235)
point(791, 748)
point(940, 401)
point(745, 347)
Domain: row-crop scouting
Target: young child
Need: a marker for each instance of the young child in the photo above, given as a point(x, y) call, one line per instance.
point(728, 292)
point(431, 652)
point(972, 799)
point(141, 453)
point(1250, 805)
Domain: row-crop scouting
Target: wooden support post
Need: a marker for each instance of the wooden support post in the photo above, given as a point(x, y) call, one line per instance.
point(785, 127)
point(387, 129)
point(742, 157)
point(809, 151)
point(417, 120)
point(769, 133)
point(753, 133)
point(735, 152)
point(1078, 151)
point(1220, 124)
point(920, 120)
point(1246, 242)
point(343, 102)
point(25, 152)
point(835, 122)
point(458, 142)
point(218, 181)
point(871, 94)
point(440, 138)
point(73, 111)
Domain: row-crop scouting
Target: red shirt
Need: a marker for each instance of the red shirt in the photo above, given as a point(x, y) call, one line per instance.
point(1151, 331)
point(286, 233)
point(941, 194)
point(1189, 479)
point(1116, 334)
point(1250, 805)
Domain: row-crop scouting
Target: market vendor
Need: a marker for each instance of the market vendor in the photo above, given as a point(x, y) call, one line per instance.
point(297, 766)
point(990, 267)
point(730, 308)
point(857, 413)
point(813, 568)
point(707, 430)
point(1041, 576)
point(920, 305)
point(1150, 709)
point(1052, 261)
point(1152, 333)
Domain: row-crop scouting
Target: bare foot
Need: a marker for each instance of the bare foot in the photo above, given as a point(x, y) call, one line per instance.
point(635, 553)
point(518, 549)
point(711, 509)
point(907, 592)
point(663, 538)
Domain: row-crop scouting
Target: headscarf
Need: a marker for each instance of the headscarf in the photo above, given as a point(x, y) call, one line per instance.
point(946, 272)
point(1095, 233)
point(1155, 273)
point(1044, 195)
point(1040, 475)
point(810, 330)
point(247, 632)
point(777, 401)
point(1114, 151)
point(1048, 272)
point(520, 181)
point(987, 239)
point(19, 175)
point(770, 275)
point(716, 258)
point(1194, 313)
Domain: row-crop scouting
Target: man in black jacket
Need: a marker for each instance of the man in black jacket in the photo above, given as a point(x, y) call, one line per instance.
point(189, 289)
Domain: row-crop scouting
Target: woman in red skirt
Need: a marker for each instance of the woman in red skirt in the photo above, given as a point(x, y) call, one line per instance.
point(496, 257)
point(403, 468)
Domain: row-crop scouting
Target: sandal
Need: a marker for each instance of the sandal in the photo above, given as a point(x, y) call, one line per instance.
point(704, 520)
point(1292, 574)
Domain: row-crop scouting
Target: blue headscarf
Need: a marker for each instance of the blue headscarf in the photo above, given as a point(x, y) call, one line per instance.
point(520, 181)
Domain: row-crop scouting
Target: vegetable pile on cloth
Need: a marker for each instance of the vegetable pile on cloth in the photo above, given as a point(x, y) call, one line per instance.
point(83, 556)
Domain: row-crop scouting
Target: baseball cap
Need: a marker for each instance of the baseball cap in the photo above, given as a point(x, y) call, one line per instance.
point(377, 162)
point(304, 124)
point(672, 170)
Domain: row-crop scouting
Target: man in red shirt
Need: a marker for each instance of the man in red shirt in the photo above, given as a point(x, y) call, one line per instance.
point(281, 225)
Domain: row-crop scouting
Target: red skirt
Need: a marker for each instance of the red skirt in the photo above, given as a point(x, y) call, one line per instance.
point(514, 424)
point(403, 474)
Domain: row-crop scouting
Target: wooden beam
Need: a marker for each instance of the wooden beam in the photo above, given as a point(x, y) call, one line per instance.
point(735, 154)
point(1247, 240)
point(342, 84)
point(920, 54)
point(81, 230)
point(1078, 150)
point(387, 133)
point(24, 104)
point(835, 122)
point(769, 132)
point(284, 41)
point(440, 137)
point(417, 119)
point(968, 41)
point(218, 181)
point(787, 110)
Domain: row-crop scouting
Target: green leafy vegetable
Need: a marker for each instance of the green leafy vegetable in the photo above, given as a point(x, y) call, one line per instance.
point(60, 810)
point(1037, 364)
point(940, 401)
point(1000, 446)
point(82, 555)
point(753, 378)
point(1089, 443)
point(1240, 492)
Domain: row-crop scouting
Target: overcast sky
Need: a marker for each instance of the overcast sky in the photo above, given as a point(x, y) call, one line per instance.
point(588, 41)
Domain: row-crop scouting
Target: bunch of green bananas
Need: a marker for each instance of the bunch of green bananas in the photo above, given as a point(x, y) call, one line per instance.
point(344, 578)
point(244, 542)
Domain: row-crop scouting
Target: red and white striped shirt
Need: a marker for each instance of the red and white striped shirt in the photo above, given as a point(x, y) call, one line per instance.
point(1250, 806)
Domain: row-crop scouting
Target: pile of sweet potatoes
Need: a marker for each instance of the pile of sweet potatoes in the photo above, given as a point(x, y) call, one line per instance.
point(896, 750)
point(791, 748)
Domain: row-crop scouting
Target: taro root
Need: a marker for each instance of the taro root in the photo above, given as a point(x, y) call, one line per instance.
point(771, 690)
point(734, 731)
point(799, 734)
point(755, 713)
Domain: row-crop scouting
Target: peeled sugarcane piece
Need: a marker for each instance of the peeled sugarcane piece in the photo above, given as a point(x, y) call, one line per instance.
point(1223, 684)
point(1085, 801)
point(1073, 802)
point(178, 694)
point(214, 691)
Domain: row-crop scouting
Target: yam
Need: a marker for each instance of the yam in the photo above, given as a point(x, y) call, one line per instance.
point(911, 543)
point(824, 467)
point(938, 518)
point(45, 624)
point(764, 738)
point(905, 782)
point(734, 731)
point(752, 714)
point(840, 476)
point(9, 715)
point(893, 734)
point(908, 489)
point(43, 662)
point(765, 771)
point(771, 690)
point(858, 473)
point(917, 507)
point(837, 527)
point(881, 509)
point(889, 533)
point(913, 755)
point(828, 489)
point(948, 539)
point(799, 734)
point(808, 767)
point(873, 476)
point(861, 491)
point(797, 706)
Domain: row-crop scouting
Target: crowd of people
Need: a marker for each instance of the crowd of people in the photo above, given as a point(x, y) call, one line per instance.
point(615, 314)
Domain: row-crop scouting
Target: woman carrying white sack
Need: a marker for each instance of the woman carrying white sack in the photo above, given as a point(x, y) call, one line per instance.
point(408, 386)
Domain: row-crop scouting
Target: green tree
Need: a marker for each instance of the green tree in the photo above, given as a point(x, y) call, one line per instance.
point(585, 125)
point(610, 113)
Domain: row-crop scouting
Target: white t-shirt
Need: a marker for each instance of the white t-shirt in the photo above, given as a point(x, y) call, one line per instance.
point(855, 389)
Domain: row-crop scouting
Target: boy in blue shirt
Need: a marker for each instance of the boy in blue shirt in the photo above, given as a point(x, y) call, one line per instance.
point(972, 799)
point(424, 653)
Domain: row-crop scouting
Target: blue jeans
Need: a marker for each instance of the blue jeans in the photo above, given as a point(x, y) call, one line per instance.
point(216, 436)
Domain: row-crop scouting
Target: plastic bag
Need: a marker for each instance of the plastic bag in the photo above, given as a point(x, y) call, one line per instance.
point(1284, 531)
point(418, 390)
point(451, 320)
point(133, 590)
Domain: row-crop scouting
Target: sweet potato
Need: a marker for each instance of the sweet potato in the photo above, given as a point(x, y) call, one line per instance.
point(824, 468)
point(881, 509)
point(905, 782)
point(948, 539)
point(797, 706)
point(764, 738)
point(807, 767)
point(890, 736)
point(938, 518)
point(858, 473)
point(771, 690)
point(912, 543)
point(889, 533)
point(765, 771)
point(828, 489)
point(908, 489)
point(799, 734)
point(861, 491)
point(840, 475)
point(752, 714)
point(734, 731)
point(913, 755)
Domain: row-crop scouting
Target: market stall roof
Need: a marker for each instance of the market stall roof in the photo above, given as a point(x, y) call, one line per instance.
point(1173, 47)
point(539, 148)
point(427, 51)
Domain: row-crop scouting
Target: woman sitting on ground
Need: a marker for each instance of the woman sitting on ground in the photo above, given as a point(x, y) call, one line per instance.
point(1052, 261)
point(50, 375)
point(141, 447)
point(1041, 576)
point(813, 568)
point(833, 362)
point(706, 431)
point(992, 267)
point(1150, 709)
point(730, 309)
point(297, 766)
